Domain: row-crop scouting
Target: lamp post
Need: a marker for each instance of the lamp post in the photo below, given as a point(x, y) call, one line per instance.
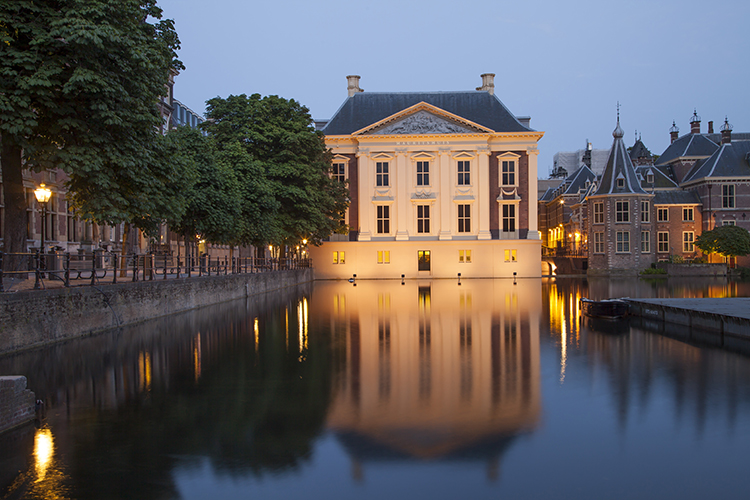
point(43, 195)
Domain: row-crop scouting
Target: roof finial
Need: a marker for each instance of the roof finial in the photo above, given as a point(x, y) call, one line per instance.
point(618, 133)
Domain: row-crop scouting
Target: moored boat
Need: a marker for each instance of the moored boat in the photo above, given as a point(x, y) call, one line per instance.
point(606, 309)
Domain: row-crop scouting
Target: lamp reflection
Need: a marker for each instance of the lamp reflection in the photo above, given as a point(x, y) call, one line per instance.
point(44, 448)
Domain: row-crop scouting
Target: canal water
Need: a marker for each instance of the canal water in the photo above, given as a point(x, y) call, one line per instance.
point(426, 389)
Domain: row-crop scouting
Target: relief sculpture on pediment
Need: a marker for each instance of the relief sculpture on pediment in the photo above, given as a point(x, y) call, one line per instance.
point(423, 122)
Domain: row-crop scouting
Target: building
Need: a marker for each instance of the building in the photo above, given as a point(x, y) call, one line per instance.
point(441, 184)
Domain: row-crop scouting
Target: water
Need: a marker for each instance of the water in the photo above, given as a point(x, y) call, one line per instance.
point(380, 390)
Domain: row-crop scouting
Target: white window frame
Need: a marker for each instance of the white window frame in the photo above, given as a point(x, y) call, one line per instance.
point(662, 242)
point(599, 242)
point(688, 214)
point(728, 194)
point(622, 242)
point(508, 157)
point(645, 241)
point(385, 219)
point(424, 219)
point(622, 211)
point(459, 218)
point(599, 212)
point(645, 211)
point(662, 214)
point(688, 241)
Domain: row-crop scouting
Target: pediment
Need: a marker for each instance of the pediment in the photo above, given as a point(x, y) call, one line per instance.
point(422, 119)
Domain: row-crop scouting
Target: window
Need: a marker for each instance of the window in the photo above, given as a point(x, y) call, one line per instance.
point(727, 196)
point(339, 258)
point(650, 178)
point(598, 242)
point(509, 173)
point(687, 241)
point(729, 223)
point(464, 218)
point(464, 256)
point(423, 218)
point(464, 173)
point(663, 242)
point(623, 241)
point(599, 213)
point(509, 218)
point(423, 173)
point(620, 182)
point(339, 172)
point(423, 260)
point(645, 241)
point(511, 256)
point(622, 211)
point(384, 256)
point(384, 219)
point(687, 214)
point(645, 211)
point(662, 214)
point(381, 173)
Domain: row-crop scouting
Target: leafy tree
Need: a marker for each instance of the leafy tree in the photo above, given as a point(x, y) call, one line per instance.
point(278, 136)
point(80, 81)
point(730, 241)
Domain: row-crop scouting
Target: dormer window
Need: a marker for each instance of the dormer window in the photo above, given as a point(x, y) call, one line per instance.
point(621, 182)
point(650, 177)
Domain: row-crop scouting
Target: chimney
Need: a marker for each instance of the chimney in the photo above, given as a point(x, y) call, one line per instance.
point(711, 127)
point(353, 85)
point(726, 132)
point(674, 132)
point(695, 123)
point(488, 83)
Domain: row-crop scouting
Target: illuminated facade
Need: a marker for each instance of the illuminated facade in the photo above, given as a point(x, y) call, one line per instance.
point(441, 183)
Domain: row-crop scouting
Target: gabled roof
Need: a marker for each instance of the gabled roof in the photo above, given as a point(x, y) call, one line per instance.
point(676, 197)
point(547, 196)
point(578, 180)
point(661, 180)
point(618, 167)
point(689, 145)
point(730, 160)
point(639, 150)
point(366, 108)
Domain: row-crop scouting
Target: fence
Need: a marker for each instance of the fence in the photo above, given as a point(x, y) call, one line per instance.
point(109, 267)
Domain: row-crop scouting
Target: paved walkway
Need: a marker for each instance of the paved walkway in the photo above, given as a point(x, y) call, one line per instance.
point(735, 307)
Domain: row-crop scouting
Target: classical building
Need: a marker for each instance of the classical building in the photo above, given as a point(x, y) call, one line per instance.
point(441, 183)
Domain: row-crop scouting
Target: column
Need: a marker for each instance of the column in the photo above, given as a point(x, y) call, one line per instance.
point(445, 196)
point(532, 152)
point(483, 194)
point(402, 196)
point(365, 197)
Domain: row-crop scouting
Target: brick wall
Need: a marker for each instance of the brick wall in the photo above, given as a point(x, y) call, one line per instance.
point(17, 404)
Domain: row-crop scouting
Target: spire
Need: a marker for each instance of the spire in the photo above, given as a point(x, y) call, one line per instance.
point(618, 133)
point(619, 176)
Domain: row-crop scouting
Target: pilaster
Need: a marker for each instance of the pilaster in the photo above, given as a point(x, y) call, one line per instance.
point(365, 196)
point(402, 196)
point(483, 194)
point(444, 196)
point(532, 152)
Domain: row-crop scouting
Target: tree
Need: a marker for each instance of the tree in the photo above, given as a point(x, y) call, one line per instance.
point(729, 241)
point(80, 81)
point(285, 149)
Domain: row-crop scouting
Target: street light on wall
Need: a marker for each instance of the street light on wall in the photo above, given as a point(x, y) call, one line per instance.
point(43, 196)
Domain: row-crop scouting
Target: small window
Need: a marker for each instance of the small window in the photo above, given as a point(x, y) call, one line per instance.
point(599, 213)
point(728, 223)
point(645, 211)
point(464, 256)
point(423, 219)
point(464, 218)
point(339, 258)
point(687, 214)
point(645, 241)
point(599, 242)
point(339, 172)
point(423, 173)
point(620, 182)
point(622, 211)
point(623, 241)
point(650, 178)
point(509, 173)
point(662, 214)
point(663, 243)
point(464, 173)
point(511, 256)
point(727, 196)
point(384, 256)
point(688, 238)
point(381, 174)
point(423, 260)
point(384, 219)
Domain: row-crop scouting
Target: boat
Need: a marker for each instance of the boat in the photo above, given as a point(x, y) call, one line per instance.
point(605, 309)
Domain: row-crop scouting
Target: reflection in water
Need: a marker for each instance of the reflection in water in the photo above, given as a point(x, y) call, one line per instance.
point(451, 373)
point(44, 448)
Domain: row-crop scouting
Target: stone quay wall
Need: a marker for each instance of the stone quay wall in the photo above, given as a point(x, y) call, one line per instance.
point(32, 318)
point(17, 403)
point(693, 269)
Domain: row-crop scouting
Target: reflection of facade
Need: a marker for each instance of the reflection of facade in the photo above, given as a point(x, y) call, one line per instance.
point(440, 183)
point(434, 370)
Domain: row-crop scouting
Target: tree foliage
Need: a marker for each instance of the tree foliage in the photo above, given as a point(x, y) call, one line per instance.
point(80, 82)
point(730, 241)
point(284, 165)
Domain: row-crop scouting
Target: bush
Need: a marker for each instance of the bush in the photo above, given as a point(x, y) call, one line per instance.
point(653, 270)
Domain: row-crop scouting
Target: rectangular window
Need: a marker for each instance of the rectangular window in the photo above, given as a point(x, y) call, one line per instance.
point(687, 241)
point(384, 219)
point(662, 214)
point(464, 218)
point(598, 242)
point(339, 258)
point(464, 256)
point(339, 172)
point(623, 241)
point(728, 223)
point(423, 260)
point(384, 256)
point(509, 173)
point(423, 218)
point(511, 256)
point(464, 173)
point(423, 173)
point(645, 241)
point(381, 173)
point(663, 246)
point(509, 218)
point(727, 196)
point(622, 211)
point(687, 214)
point(645, 211)
point(599, 213)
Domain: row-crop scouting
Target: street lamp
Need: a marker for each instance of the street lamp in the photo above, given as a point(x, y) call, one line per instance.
point(43, 195)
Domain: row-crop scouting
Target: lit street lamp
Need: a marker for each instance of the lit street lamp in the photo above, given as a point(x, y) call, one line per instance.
point(43, 195)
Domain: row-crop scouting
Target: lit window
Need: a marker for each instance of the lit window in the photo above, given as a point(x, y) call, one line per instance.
point(509, 218)
point(423, 173)
point(381, 173)
point(510, 256)
point(727, 196)
point(384, 219)
point(423, 218)
point(509, 173)
point(645, 211)
point(384, 256)
point(687, 241)
point(464, 218)
point(598, 242)
point(645, 241)
point(622, 211)
point(464, 256)
point(687, 214)
point(729, 223)
point(339, 258)
point(464, 173)
point(663, 245)
point(599, 213)
point(662, 214)
point(423, 260)
point(339, 172)
point(623, 241)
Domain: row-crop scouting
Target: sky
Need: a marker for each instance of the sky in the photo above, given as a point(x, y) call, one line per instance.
point(565, 64)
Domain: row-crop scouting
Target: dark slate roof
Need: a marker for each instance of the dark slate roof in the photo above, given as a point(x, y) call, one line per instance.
point(547, 195)
point(577, 180)
point(676, 197)
point(736, 136)
point(639, 150)
point(619, 166)
point(365, 108)
point(661, 180)
point(731, 160)
point(690, 145)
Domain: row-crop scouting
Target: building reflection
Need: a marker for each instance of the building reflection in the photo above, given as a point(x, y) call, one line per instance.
point(433, 370)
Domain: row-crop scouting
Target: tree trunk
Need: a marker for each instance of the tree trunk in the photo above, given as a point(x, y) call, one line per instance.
point(16, 217)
